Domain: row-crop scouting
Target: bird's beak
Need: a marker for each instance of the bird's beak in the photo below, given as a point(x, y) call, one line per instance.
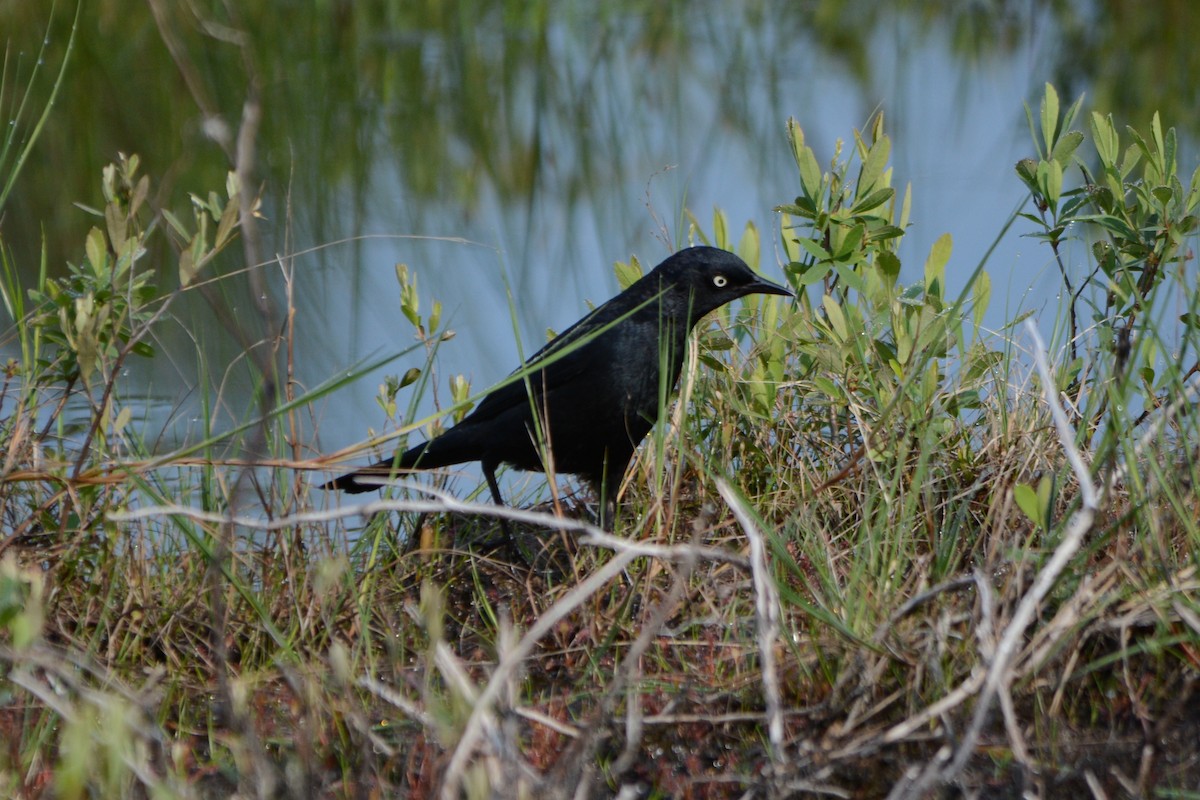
point(764, 286)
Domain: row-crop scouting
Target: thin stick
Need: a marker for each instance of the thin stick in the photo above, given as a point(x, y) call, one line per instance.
point(766, 612)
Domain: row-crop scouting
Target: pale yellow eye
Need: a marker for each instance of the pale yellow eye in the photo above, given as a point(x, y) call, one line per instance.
point(719, 281)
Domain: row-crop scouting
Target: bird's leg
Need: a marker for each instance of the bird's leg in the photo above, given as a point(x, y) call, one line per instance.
point(489, 472)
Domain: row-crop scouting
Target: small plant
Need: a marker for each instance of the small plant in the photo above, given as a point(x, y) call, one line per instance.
point(873, 336)
point(78, 330)
point(96, 315)
point(1140, 215)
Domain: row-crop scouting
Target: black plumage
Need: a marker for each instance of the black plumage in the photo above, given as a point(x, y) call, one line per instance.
point(589, 397)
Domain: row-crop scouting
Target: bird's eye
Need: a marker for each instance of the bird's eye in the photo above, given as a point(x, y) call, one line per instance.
point(719, 281)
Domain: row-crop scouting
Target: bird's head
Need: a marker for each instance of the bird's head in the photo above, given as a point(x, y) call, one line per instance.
point(698, 280)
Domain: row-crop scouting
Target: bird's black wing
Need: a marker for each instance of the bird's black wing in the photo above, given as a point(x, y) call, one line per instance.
point(567, 356)
point(559, 369)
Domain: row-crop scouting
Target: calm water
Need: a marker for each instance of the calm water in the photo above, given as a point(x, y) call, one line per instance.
point(557, 139)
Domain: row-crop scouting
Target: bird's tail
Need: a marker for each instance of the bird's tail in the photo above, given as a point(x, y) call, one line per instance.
point(439, 452)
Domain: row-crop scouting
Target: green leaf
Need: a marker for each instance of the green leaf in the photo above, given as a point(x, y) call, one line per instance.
point(627, 273)
point(913, 296)
point(791, 247)
point(435, 317)
point(1156, 132)
point(122, 420)
point(1072, 112)
point(1050, 178)
point(460, 390)
point(803, 207)
point(187, 268)
point(850, 243)
point(140, 191)
point(1045, 491)
point(904, 343)
point(1133, 154)
point(1162, 194)
point(889, 266)
point(410, 301)
point(813, 273)
point(935, 265)
point(409, 377)
point(885, 232)
point(97, 251)
point(1026, 499)
point(720, 229)
point(1169, 153)
point(114, 223)
point(810, 170)
point(1049, 117)
point(1106, 139)
point(176, 225)
point(813, 248)
point(1113, 224)
point(873, 200)
point(981, 296)
point(233, 185)
point(229, 219)
point(826, 386)
point(873, 167)
point(1027, 171)
point(810, 175)
point(718, 342)
point(850, 276)
point(1139, 141)
point(749, 246)
point(929, 382)
point(836, 317)
point(1066, 147)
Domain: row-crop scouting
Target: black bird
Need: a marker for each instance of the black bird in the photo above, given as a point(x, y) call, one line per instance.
point(592, 394)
